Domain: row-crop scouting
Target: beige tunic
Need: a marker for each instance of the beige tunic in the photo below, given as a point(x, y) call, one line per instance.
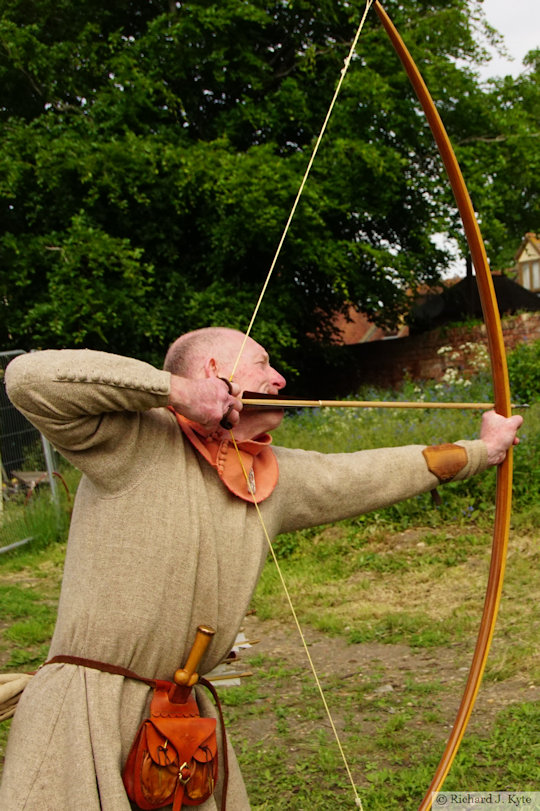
point(157, 546)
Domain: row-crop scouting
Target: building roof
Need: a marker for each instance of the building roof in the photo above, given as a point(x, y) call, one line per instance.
point(462, 301)
point(455, 299)
point(530, 240)
point(356, 328)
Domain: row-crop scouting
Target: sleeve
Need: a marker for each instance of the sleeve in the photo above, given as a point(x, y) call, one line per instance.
point(89, 404)
point(317, 488)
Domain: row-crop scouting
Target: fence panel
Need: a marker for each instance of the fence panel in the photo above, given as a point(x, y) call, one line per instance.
point(27, 461)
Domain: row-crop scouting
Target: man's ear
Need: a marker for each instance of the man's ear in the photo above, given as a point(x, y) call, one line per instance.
point(211, 368)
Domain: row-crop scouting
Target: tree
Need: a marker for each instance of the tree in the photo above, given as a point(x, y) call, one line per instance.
point(151, 153)
point(499, 152)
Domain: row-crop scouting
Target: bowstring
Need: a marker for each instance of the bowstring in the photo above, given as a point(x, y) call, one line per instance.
point(345, 68)
point(357, 800)
point(343, 73)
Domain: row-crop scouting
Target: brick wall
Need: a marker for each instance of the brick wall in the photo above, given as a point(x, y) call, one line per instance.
point(387, 363)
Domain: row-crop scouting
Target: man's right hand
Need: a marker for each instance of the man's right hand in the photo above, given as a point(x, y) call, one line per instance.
point(206, 401)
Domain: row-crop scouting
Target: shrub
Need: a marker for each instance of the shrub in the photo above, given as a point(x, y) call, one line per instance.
point(524, 371)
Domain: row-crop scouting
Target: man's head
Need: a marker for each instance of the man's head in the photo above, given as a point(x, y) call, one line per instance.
point(187, 355)
point(218, 352)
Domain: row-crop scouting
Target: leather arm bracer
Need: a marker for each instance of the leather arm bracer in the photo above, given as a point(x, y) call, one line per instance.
point(445, 461)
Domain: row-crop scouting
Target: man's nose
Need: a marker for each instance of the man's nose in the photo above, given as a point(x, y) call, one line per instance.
point(278, 380)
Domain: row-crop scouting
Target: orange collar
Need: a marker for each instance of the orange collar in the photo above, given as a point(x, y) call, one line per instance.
point(258, 461)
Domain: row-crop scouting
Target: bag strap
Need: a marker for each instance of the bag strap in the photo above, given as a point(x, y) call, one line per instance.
point(210, 687)
point(118, 670)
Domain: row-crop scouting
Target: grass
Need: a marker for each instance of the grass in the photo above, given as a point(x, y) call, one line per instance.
point(408, 581)
point(392, 740)
point(402, 586)
point(29, 591)
point(30, 514)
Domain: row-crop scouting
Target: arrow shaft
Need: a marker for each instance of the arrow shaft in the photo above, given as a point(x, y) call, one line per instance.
point(280, 402)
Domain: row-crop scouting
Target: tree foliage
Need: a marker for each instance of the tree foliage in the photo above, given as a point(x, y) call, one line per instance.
point(151, 152)
point(500, 155)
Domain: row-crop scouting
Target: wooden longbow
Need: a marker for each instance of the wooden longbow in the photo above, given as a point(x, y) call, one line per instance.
point(502, 404)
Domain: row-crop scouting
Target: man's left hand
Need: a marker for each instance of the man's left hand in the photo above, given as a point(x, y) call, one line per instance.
point(499, 434)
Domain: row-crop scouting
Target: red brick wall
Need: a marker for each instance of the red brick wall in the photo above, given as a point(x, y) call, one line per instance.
point(387, 363)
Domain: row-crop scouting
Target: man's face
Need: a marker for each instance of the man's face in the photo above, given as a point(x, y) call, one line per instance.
point(253, 371)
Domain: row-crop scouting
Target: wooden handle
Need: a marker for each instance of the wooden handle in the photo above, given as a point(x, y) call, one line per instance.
point(186, 676)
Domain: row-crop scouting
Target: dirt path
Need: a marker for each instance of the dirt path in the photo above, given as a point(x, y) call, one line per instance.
point(395, 668)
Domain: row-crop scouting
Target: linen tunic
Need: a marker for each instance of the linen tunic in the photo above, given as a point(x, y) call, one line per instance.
point(157, 546)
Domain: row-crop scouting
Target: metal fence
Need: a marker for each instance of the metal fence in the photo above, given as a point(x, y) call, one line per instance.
point(27, 462)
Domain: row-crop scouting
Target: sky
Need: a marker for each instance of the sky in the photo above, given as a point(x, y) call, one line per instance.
point(519, 22)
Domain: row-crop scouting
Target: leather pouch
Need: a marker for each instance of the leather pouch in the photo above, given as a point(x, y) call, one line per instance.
point(173, 759)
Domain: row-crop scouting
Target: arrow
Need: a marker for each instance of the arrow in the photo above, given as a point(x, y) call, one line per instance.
point(253, 399)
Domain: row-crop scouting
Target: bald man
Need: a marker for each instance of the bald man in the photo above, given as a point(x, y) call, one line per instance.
point(164, 537)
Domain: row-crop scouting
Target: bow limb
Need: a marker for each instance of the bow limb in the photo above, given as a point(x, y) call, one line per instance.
point(502, 404)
